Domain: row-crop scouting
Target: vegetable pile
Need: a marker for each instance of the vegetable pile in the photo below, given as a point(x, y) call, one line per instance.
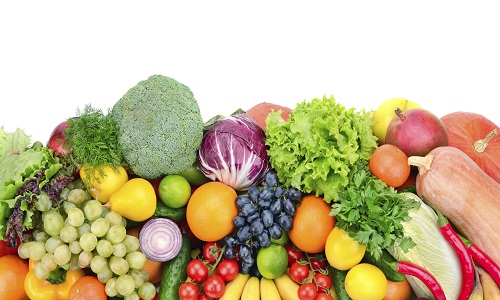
point(67, 207)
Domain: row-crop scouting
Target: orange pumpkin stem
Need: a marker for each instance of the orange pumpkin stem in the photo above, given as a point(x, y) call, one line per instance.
point(480, 145)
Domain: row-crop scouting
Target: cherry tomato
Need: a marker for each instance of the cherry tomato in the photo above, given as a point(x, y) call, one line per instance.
point(197, 270)
point(188, 291)
point(294, 254)
point(214, 286)
point(299, 272)
point(318, 264)
point(307, 291)
point(228, 269)
point(211, 251)
point(323, 296)
point(324, 282)
point(203, 297)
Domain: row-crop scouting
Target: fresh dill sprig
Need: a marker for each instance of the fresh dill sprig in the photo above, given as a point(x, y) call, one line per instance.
point(93, 140)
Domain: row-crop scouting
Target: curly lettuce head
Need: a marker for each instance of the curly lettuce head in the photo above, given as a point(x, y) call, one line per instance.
point(319, 145)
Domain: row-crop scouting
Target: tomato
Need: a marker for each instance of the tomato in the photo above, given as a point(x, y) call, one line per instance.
point(188, 291)
point(298, 272)
point(323, 296)
point(318, 263)
point(214, 286)
point(294, 254)
point(211, 251)
point(307, 291)
point(228, 269)
point(324, 282)
point(203, 297)
point(197, 270)
point(6, 250)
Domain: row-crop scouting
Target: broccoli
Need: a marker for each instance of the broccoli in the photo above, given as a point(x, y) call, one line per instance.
point(160, 127)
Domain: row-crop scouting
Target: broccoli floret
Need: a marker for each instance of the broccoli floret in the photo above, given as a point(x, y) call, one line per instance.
point(160, 127)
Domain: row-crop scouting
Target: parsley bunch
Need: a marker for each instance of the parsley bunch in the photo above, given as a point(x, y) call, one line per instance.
point(373, 213)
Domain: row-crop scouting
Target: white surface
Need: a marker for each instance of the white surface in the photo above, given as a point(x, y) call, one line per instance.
point(56, 57)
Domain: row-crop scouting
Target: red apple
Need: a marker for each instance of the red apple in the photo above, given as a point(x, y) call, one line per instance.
point(416, 132)
point(57, 139)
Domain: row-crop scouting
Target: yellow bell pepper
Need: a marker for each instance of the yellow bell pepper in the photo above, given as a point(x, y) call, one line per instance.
point(37, 289)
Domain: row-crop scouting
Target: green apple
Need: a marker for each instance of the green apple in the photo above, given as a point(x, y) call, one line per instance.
point(385, 112)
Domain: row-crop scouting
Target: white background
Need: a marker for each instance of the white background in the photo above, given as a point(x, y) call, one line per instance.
point(57, 56)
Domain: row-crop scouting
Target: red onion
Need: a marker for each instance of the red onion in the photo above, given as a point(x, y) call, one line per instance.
point(160, 239)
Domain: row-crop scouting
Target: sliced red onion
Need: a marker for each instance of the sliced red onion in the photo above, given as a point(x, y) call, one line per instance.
point(160, 239)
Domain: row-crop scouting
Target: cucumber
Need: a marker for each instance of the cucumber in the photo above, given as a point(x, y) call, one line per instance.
point(176, 214)
point(174, 272)
point(338, 281)
point(387, 263)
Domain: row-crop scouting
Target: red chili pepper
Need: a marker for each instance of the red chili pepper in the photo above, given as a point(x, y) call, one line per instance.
point(483, 259)
point(409, 268)
point(465, 259)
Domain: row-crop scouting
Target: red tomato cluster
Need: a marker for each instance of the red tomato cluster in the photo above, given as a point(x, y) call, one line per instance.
point(301, 264)
point(207, 277)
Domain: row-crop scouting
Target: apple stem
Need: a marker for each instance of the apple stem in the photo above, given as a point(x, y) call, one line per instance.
point(423, 163)
point(400, 115)
point(480, 145)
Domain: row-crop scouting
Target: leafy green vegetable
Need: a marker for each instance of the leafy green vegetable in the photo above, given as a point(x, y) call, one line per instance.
point(315, 150)
point(372, 212)
point(15, 171)
point(431, 250)
point(13, 142)
point(93, 140)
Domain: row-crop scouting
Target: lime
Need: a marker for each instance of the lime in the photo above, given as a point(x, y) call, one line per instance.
point(174, 191)
point(283, 240)
point(272, 261)
point(194, 176)
point(365, 282)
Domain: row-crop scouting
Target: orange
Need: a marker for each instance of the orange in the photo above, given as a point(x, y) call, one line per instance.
point(210, 211)
point(390, 164)
point(311, 224)
point(398, 290)
point(13, 270)
point(154, 268)
point(87, 288)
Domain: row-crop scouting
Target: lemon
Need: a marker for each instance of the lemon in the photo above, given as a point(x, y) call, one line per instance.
point(102, 185)
point(174, 191)
point(385, 112)
point(272, 261)
point(342, 251)
point(365, 282)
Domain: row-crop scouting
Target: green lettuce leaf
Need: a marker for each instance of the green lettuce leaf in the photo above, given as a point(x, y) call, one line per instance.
point(14, 142)
point(317, 148)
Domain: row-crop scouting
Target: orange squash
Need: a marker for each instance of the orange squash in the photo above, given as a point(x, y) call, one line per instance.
point(478, 137)
point(451, 182)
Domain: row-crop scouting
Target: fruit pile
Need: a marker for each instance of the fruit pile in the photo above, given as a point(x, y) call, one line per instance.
point(313, 203)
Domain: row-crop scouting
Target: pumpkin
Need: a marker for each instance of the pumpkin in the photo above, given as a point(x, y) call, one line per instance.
point(260, 111)
point(478, 137)
point(451, 182)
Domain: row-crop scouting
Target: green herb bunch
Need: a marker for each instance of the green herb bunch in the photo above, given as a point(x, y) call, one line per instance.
point(372, 212)
point(93, 140)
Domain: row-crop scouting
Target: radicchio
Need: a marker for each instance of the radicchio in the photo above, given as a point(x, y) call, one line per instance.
point(233, 151)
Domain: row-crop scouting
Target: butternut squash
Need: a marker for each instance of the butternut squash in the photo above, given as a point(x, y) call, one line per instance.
point(451, 182)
